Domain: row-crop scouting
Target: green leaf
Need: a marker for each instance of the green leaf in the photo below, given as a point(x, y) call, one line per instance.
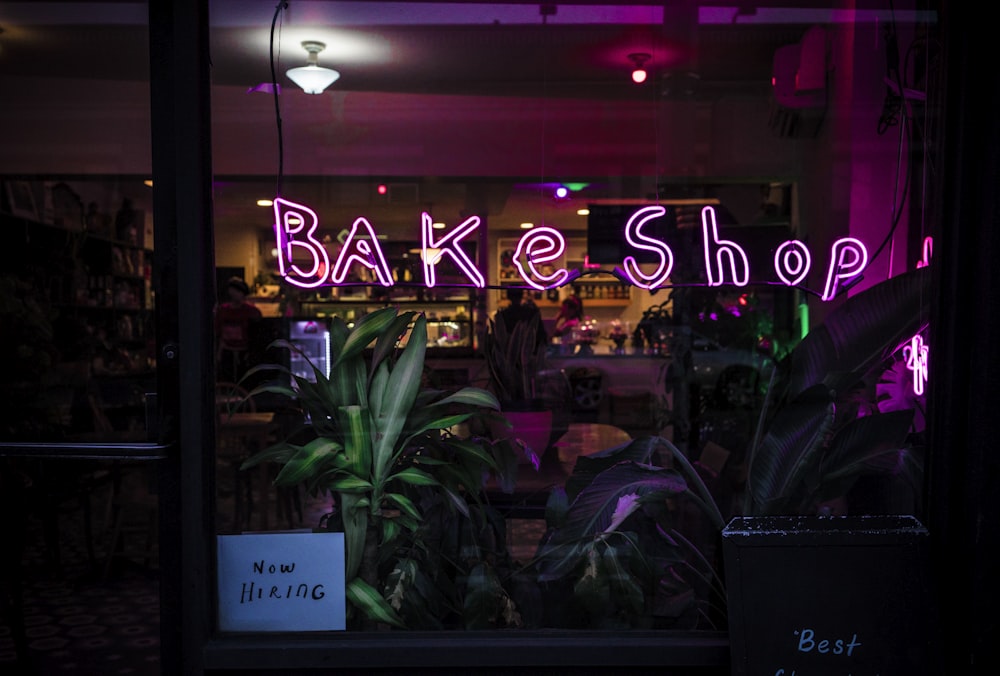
point(348, 483)
point(404, 503)
point(348, 384)
point(389, 338)
point(473, 450)
point(307, 461)
point(274, 388)
point(390, 531)
point(472, 396)
point(338, 335)
point(790, 451)
point(354, 511)
point(280, 452)
point(366, 330)
point(366, 599)
point(401, 391)
point(483, 598)
point(357, 439)
point(376, 391)
point(414, 476)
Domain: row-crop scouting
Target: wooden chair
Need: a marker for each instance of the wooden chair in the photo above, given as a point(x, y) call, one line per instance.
point(236, 443)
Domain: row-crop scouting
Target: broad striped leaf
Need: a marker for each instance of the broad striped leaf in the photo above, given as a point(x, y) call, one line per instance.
point(348, 483)
point(357, 439)
point(376, 391)
point(280, 453)
point(389, 338)
point(366, 598)
point(401, 391)
point(404, 503)
point(472, 396)
point(354, 510)
point(367, 329)
point(307, 461)
point(414, 476)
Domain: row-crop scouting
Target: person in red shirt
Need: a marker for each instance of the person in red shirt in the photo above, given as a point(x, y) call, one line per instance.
point(232, 331)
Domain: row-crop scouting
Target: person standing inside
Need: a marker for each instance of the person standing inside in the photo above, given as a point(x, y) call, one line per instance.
point(520, 311)
point(232, 331)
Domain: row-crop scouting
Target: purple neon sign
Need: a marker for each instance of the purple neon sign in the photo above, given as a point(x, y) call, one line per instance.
point(304, 261)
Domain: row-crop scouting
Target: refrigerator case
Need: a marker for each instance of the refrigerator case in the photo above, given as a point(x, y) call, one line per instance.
point(312, 338)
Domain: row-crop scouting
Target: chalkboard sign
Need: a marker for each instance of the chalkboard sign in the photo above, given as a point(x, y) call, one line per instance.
point(817, 596)
point(281, 582)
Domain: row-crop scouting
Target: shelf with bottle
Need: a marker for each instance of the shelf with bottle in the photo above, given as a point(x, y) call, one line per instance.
point(602, 293)
point(449, 315)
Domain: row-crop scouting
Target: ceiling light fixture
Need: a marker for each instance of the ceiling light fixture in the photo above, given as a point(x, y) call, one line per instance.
point(312, 77)
point(639, 59)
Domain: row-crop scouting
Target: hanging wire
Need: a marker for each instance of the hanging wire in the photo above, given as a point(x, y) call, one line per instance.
point(545, 10)
point(282, 5)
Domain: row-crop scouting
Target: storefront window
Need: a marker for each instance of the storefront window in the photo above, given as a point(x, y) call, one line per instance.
point(77, 353)
point(715, 222)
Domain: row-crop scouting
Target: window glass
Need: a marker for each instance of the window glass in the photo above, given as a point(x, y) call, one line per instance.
point(714, 221)
point(77, 347)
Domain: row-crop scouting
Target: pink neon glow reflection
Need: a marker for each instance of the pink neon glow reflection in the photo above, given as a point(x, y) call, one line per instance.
point(726, 249)
point(848, 258)
point(365, 251)
point(539, 246)
point(916, 356)
point(635, 238)
point(290, 219)
point(928, 251)
point(448, 245)
point(792, 261)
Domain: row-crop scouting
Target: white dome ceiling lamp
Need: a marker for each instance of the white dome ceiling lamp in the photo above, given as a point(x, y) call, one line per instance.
point(312, 77)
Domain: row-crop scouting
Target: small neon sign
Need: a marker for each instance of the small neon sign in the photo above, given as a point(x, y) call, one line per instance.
point(303, 259)
point(916, 356)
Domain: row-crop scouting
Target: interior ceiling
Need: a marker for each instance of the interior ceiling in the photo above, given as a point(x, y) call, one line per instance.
point(577, 50)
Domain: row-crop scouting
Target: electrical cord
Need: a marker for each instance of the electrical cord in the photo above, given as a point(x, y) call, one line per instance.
point(283, 4)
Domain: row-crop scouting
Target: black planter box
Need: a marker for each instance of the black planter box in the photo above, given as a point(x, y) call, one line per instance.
point(811, 596)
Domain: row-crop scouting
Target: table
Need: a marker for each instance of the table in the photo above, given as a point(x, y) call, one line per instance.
point(240, 435)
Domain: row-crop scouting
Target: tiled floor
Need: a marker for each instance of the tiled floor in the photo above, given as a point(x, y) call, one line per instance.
point(76, 620)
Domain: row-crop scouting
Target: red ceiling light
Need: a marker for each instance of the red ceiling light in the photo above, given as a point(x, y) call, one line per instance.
point(639, 60)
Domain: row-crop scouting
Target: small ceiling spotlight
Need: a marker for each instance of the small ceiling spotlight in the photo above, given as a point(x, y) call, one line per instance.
point(562, 192)
point(639, 60)
point(312, 77)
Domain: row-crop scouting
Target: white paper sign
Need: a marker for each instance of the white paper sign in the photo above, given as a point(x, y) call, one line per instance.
point(281, 582)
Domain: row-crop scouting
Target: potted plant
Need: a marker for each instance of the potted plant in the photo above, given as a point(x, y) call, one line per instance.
point(822, 428)
point(421, 549)
point(630, 543)
point(833, 482)
point(531, 397)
